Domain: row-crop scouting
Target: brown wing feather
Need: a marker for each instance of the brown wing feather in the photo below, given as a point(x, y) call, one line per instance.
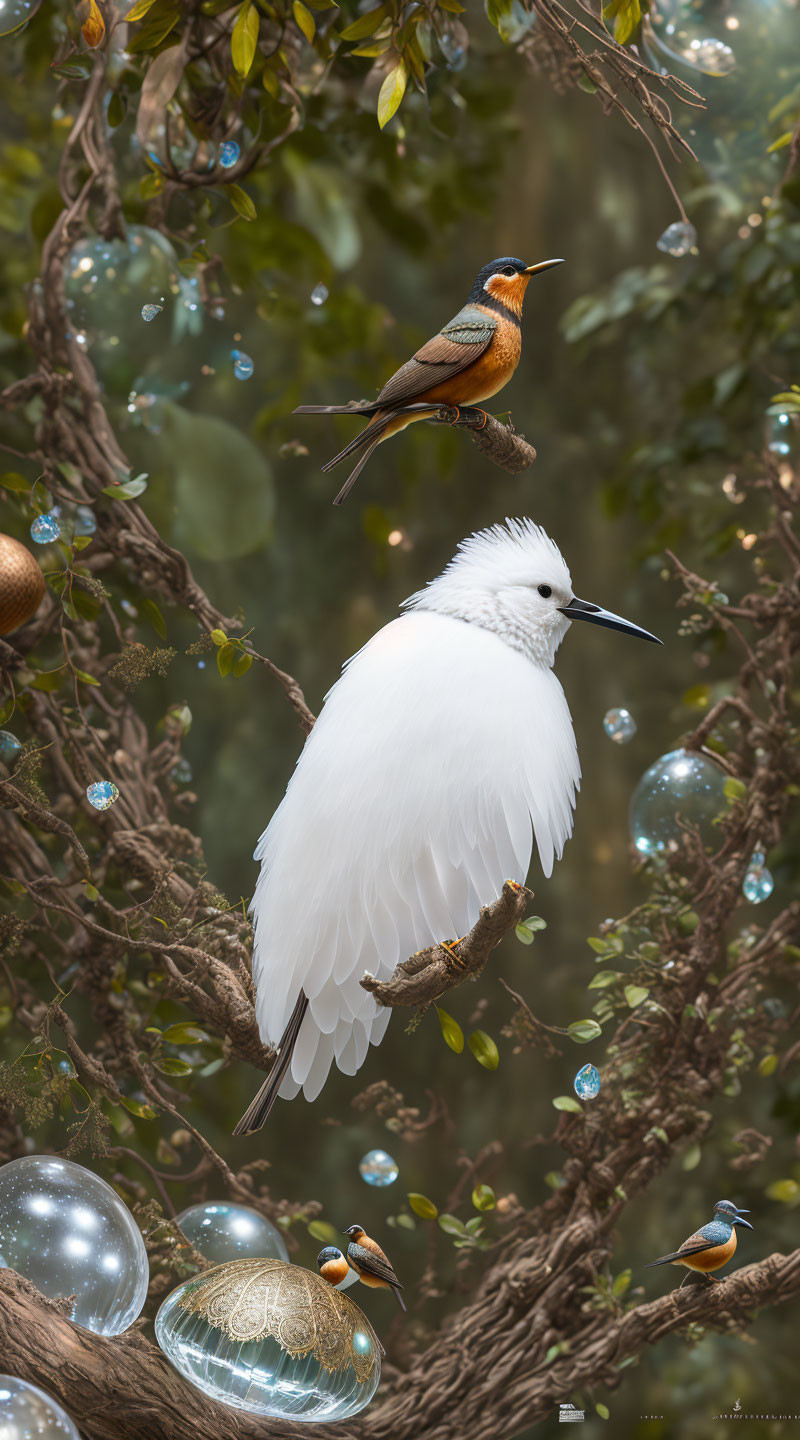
point(437, 361)
point(693, 1246)
point(374, 1262)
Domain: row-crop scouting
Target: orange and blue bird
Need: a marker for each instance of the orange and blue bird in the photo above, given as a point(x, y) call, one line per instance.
point(712, 1246)
point(473, 356)
point(370, 1264)
point(332, 1265)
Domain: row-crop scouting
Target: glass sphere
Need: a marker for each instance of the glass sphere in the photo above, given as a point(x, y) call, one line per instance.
point(222, 1231)
point(678, 239)
point(10, 747)
point(68, 1232)
point(587, 1082)
point(682, 788)
point(27, 1413)
point(619, 726)
point(102, 794)
point(378, 1168)
point(13, 14)
point(271, 1338)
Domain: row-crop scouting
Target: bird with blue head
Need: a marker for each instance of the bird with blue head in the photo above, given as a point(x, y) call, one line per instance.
point(712, 1246)
point(470, 359)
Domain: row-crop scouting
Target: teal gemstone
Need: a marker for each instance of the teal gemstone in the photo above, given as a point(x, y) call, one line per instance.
point(758, 885)
point(101, 794)
point(229, 153)
point(282, 1342)
point(682, 788)
point(222, 1231)
point(587, 1082)
point(45, 529)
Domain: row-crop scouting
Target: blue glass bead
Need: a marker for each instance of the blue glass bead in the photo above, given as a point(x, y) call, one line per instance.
point(378, 1168)
point(45, 529)
point(10, 747)
point(619, 726)
point(101, 794)
point(682, 787)
point(222, 1231)
point(587, 1082)
point(758, 883)
point(242, 365)
point(229, 153)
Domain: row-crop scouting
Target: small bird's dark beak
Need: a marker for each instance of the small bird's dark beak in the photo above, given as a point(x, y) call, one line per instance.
point(740, 1221)
point(542, 265)
point(584, 610)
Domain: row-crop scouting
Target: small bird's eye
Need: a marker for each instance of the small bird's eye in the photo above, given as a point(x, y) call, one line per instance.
point(509, 270)
point(545, 591)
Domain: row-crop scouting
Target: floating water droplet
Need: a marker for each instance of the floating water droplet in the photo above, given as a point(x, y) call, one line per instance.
point(181, 773)
point(10, 747)
point(682, 788)
point(201, 664)
point(712, 57)
point(778, 434)
point(129, 608)
point(222, 1231)
point(678, 239)
point(102, 794)
point(619, 726)
point(319, 294)
point(378, 1168)
point(45, 529)
point(587, 1082)
point(149, 312)
point(758, 883)
point(229, 153)
point(242, 365)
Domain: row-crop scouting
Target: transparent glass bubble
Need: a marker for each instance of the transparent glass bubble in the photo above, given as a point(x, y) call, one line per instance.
point(222, 1231)
point(779, 433)
point(758, 883)
point(319, 294)
point(587, 1082)
point(10, 747)
point(259, 1374)
point(242, 365)
point(13, 14)
point(181, 773)
point(619, 726)
point(45, 529)
point(27, 1413)
point(85, 522)
point(378, 1168)
point(68, 1232)
point(682, 788)
point(677, 239)
point(229, 153)
point(102, 794)
point(149, 312)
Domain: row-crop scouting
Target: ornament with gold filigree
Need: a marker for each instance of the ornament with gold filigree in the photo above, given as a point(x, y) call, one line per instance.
point(22, 584)
point(272, 1338)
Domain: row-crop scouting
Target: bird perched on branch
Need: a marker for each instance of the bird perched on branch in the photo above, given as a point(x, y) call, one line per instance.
point(443, 750)
point(370, 1264)
point(332, 1265)
point(473, 356)
point(712, 1245)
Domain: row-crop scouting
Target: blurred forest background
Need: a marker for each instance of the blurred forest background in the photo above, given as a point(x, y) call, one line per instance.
point(646, 385)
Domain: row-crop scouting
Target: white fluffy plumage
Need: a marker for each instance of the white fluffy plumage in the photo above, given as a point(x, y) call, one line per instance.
point(443, 749)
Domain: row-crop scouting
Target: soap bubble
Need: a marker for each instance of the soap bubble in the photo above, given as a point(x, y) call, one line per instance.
point(27, 1413)
point(378, 1168)
point(677, 239)
point(682, 788)
point(223, 1231)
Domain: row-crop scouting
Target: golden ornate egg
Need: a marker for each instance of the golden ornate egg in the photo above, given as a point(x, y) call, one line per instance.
point(22, 585)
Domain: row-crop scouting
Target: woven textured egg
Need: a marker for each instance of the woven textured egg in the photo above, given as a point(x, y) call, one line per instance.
point(271, 1338)
point(22, 585)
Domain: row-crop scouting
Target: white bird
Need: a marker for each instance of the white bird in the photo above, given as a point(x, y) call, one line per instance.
point(443, 749)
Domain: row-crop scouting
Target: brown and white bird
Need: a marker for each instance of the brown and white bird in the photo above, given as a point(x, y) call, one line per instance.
point(371, 1265)
point(470, 359)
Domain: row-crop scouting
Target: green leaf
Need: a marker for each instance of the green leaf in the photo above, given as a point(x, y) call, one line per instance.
point(484, 1049)
point(582, 1031)
point(604, 978)
point(391, 93)
point(244, 39)
point(184, 1034)
point(422, 1206)
point(483, 1197)
point(13, 481)
point(365, 24)
point(373, 48)
point(635, 994)
point(451, 5)
point(87, 679)
point(138, 11)
point(451, 1030)
point(149, 186)
point(219, 637)
point(767, 1065)
point(787, 1192)
point(325, 1232)
point(734, 789)
point(91, 891)
point(304, 20)
point(691, 1158)
point(526, 930)
point(225, 658)
point(169, 1066)
point(452, 1225)
point(242, 665)
point(621, 1282)
point(241, 202)
point(566, 1102)
point(602, 1410)
point(138, 1107)
point(151, 610)
point(48, 679)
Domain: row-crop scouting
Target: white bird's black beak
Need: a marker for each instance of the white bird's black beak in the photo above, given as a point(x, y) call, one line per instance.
point(585, 610)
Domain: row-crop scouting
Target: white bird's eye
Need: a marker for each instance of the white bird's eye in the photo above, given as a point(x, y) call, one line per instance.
point(545, 591)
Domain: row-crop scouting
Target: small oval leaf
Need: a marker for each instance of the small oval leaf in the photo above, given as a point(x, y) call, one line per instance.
point(422, 1206)
point(451, 1030)
point(484, 1049)
point(483, 1197)
point(391, 93)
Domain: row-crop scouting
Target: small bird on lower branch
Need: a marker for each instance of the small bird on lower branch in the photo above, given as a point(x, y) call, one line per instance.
point(371, 1265)
point(445, 748)
point(473, 356)
point(332, 1265)
point(712, 1245)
